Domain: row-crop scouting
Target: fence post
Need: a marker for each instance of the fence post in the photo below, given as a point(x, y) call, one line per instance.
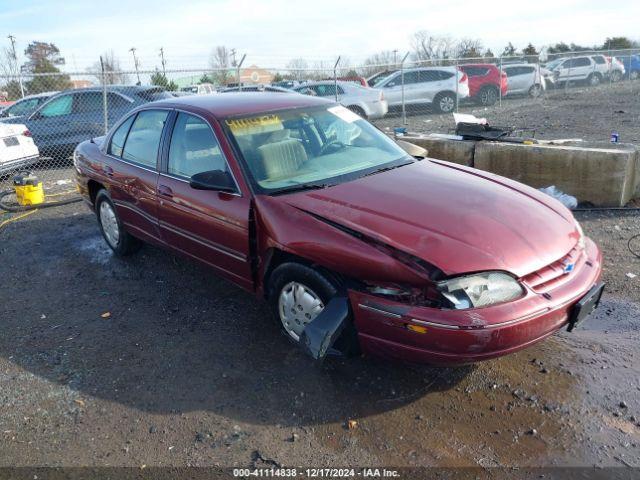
point(404, 111)
point(457, 83)
point(500, 85)
point(335, 78)
point(105, 108)
point(238, 71)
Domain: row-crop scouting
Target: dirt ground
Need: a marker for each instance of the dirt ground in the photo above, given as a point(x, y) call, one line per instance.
point(188, 370)
point(590, 113)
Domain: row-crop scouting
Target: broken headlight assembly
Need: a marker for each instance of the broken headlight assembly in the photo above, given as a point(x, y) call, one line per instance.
point(480, 290)
point(406, 294)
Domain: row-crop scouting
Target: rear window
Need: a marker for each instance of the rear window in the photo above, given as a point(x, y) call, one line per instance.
point(153, 94)
point(475, 71)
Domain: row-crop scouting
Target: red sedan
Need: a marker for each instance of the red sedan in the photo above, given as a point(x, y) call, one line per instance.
point(356, 245)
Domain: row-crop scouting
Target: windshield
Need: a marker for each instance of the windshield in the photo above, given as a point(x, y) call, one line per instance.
point(308, 147)
point(553, 63)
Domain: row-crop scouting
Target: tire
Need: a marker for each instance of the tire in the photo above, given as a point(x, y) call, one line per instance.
point(594, 79)
point(634, 75)
point(119, 240)
point(444, 102)
point(358, 111)
point(535, 91)
point(488, 96)
point(616, 76)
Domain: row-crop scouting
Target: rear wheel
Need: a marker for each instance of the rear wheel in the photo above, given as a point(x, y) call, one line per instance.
point(357, 110)
point(594, 79)
point(488, 96)
point(118, 239)
point(634, 74)
point(616, 76)
point(445, 102)
point(535, 91)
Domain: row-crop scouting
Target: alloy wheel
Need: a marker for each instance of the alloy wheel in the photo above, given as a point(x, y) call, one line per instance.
point(447, 104)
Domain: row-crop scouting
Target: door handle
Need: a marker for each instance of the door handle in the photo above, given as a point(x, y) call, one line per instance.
point(165, 191)
point(108, 171)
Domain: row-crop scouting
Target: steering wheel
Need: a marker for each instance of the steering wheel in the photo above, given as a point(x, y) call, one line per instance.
point(334, 144)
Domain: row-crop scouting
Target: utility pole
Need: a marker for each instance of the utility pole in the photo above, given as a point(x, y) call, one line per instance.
point(135, 62)
point(164, 72)
point(395, 58)
point(12, 39)
point(233, 57)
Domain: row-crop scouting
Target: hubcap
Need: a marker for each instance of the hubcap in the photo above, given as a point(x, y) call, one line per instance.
point(298, 305)
point(447, 104)
point(109, 224)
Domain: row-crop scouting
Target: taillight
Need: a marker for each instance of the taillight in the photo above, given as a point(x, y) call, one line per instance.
point(26, 133)
point(463, 78)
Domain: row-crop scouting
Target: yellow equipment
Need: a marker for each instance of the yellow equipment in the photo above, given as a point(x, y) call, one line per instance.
point(28, 189)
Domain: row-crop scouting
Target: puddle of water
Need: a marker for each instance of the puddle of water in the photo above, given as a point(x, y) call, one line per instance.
point(96, 250)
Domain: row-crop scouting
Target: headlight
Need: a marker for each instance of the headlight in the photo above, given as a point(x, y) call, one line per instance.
point(581, 239)
point(480, 290)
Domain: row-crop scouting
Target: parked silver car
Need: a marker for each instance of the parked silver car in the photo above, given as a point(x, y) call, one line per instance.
point(437, 86)
point(525, 79)
point(367, 102)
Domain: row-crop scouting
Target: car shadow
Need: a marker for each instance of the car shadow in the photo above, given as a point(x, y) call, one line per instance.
point(161, 334)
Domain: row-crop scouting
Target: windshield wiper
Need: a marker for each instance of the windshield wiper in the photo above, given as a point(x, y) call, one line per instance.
point(302, 186)
point(386, 169)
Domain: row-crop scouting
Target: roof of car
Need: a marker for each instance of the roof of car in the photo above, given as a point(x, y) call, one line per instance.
point(243, 103)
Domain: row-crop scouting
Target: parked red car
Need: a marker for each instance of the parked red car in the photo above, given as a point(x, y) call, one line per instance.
point(354, 244)
point(485, 82)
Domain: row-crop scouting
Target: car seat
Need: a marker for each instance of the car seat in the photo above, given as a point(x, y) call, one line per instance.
point(281, 156)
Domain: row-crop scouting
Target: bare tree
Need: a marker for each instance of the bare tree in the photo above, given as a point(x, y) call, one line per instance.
point(297, 68)
point(220, 63)
point(377, 62)
point(427, 46)
point(469, 48)
point(113, 72)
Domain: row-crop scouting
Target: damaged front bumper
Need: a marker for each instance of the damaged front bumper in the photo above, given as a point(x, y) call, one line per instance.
point(428, 335)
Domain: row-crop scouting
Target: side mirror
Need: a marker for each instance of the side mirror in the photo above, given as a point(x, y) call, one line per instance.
point(213, 180)
point(412, 149)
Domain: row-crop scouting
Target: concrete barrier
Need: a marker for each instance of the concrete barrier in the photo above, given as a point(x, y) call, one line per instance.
point(602, 176)
point(455, 151)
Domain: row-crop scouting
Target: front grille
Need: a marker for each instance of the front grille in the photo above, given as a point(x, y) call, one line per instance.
point(555, 274)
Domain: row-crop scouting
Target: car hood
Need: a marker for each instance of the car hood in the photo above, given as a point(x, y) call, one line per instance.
point(456, 218)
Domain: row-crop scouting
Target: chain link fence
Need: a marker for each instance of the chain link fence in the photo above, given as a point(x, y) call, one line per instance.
point(575, 94)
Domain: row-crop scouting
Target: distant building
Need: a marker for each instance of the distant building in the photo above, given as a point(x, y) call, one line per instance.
point(81, 83)
point(255, 75)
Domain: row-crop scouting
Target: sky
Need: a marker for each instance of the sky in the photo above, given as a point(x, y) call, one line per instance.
point(271, 32)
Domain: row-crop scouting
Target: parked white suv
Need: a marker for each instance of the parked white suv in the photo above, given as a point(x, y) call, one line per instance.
point(366, 102)
point(525, 79)
point(428, 85)
point(579, 69)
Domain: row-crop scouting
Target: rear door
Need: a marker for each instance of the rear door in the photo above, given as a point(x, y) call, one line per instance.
point(50, 125)
point(134, 176)
point(207, 225)
point(518, 79)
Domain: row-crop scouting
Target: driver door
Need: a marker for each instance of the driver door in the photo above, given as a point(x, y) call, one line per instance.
point(209, 226)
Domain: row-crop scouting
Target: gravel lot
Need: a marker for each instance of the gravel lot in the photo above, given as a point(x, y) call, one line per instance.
point(187, 369)
point(579, 112)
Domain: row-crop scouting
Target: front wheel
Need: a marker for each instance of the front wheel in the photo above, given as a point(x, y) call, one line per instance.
point(297, 295)
point(118, 239)
point(445, 102)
